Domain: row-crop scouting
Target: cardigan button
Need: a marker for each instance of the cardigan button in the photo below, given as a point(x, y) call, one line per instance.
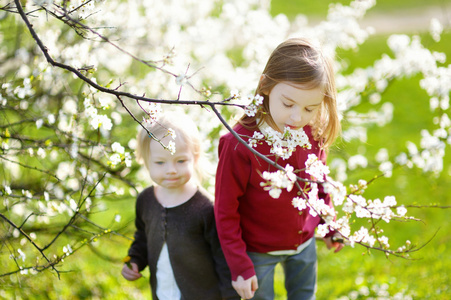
point(296, 245)
point(300, 232)
point(300, 213)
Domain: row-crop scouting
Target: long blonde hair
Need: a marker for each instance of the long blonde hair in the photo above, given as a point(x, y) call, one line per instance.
point(300, 62)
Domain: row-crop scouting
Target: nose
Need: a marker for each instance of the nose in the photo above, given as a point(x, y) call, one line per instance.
point(296, 116)
point(171, 168)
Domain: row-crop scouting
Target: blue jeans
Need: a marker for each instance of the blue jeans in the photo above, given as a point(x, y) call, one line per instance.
point(300, 273)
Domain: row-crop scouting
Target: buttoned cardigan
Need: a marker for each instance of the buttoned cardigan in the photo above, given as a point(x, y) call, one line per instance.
point(189, 231)
point(247, 217)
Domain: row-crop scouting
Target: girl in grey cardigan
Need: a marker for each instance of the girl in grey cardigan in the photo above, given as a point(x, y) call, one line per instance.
point(175, 227)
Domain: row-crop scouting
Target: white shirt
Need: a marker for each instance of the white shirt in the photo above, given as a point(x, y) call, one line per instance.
point(167, 288)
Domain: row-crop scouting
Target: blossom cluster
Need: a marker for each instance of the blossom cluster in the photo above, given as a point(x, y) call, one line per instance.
point(279, 180)
point(436, 81)
point(119, 155)
point(282, 144)
point(254, 103)
point(352, 204)
point(97, 121)
point(316, 168)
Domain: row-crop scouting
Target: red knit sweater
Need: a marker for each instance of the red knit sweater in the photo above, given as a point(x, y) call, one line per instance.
point(247, 217)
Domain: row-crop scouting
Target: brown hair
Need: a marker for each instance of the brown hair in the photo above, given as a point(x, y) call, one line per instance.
point(300, 62)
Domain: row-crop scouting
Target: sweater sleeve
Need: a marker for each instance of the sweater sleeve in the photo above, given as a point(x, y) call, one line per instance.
point(232, 176)
point(222, 270)
point(138, 249)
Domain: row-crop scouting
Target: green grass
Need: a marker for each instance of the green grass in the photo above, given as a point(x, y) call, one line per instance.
point(319, 8)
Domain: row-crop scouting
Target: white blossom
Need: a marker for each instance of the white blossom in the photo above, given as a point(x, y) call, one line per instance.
point(101, 121)
point(171, 147)
point(282, 144)
point(382, 155)
point(118, 148)
point(8, 190)
point(323, 229)
point(299, 203)
point(115, 159)
point(256, 138)
point(172, 133)
point(234, 94)
point(384, 241)
point(41, 153)
point(105, 103)
point(316, 168)
point(436, 29)
point(39, 123)
point(275, 192)
point(128, 160)
point(255, 102)
point(357, 161)
point(336, 190)
point(117, 218)
point(43, 2)
point(386, 168)
point(181, 79)
point(67, 249)
point(362, 236)
point(276, 181)
point(152, 110)
point(401, 211)
point(22, 254)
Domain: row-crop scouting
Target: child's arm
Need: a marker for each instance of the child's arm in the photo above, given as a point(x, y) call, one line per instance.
point(222, 269)
point(131, 274)
point(245, 288)
point(137, 254)
point(232, 176)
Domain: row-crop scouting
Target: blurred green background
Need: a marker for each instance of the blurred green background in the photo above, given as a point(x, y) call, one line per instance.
point(94, 273)
point(318, 8)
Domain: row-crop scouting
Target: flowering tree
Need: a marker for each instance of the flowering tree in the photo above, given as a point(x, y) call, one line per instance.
point(78, 78)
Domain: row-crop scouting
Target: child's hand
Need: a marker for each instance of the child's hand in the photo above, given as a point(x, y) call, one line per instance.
point(245, 288)
point(131, 273)
point(334, 244)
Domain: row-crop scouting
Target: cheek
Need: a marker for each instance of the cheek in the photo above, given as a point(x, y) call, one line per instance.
point(153, 172)
point(276, 111)
point(189, 168)
point(314, 114)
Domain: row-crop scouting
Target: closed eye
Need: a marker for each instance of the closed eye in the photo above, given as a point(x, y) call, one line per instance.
point(312, 108)
point(289, 105)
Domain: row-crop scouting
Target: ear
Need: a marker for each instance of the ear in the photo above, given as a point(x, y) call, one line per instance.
point(261, 83)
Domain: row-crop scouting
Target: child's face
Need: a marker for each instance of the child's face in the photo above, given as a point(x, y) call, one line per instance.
point(167, 170)
point(293, 107)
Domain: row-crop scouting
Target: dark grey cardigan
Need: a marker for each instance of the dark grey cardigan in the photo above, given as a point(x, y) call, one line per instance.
point(189, 230)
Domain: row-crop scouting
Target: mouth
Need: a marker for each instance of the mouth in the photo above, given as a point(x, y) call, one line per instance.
point(293, 127)
point(171, 179)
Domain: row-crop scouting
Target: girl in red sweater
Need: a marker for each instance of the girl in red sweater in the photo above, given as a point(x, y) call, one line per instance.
point(257, 229)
